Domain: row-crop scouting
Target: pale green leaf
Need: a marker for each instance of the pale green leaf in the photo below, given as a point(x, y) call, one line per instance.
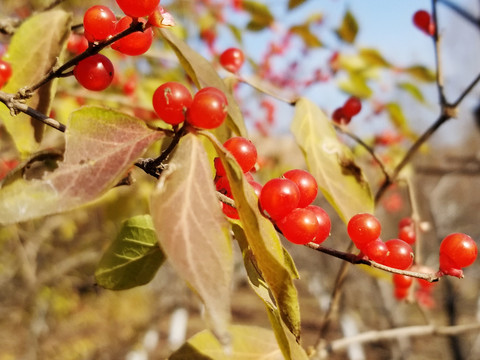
point(310, 39)
point(193, 231)
point(133, 258)
point(203, 74)
point(398, 119)
point(421, 72)
point(355, 84)
point(348, 29)
point(33, 51)
point(249, 343)
point(260, 14)
point(341, 181)
point(373, 57)
point(413, 90)
point(101, 145)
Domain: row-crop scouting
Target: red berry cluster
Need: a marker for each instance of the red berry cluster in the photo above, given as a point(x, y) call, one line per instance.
point(423, 21)
point(5, 72)
point(457, 251)
point(288, 202)
point(174, 104)
point(403, 283)
point(364, 230)
point(343, 115)
point(232, 59)
point(245, 152)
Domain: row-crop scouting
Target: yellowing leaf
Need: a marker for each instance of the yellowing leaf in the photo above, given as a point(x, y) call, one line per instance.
point(310, 39)
point(203, 74)
point(341, 181)
point(413, 90)
point(421, 73)
point(261, 17)
point(33, 52)
point(348, 29)
point(193, 231)
point(133, 258)
point(373, 57)
point(101, 145)
point(249, 343)
point(292, 4)
point(399, 120)
point(356, 85)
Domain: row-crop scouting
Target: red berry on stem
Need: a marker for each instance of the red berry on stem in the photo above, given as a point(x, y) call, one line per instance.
point(5, 72)
point(401, 293)
point(400, 254)
point(407, 234)
point(324, 223)
point(77, 43)
point(457, 251)
point(363, 228)
point(423, 21)
point(300, 226)
point(99, 22)
point(352, 106)
point(306, 184)
point(376, 250)
point(138, 8)
point(279, 197)
point(95, 72)
point(232, 59)
point(229, 211)
point(133, 44)
point(171, 101)
point(406, 221)
point(208, 109)
point(340, 118)
point(243, 151)
point(402, 281)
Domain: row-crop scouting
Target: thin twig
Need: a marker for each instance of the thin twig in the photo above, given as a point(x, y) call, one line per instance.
point(462, 12)
point(438, 57)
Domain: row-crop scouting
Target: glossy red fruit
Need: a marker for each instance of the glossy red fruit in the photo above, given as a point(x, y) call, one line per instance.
point(213, 90)
point(401, 293)
point(363, 228)
point(407, 234)
point(340, 118)
point(171, 101)
point(457, 251)
point(257, 187)
point(138, 8)
point(5, 72)
point(134, 44)
point(402, 281)
point(376, 251)
point(243, 151)
point(352, 106)
point(232, 59)
point(95, 72)
point(324, 223)
point(406, 221)
point(208, 109)
point(300, 226)
point(222, 185)
point(306, 184)
point(423, 21)
point(229, 211)
point(400, 254)
point(279, 197)
point(99, 21)
point(77, 43)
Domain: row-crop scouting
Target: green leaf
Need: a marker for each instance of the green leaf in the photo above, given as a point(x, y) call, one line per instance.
point(101, 145)
point(356, 85)
point(373, 57)
point(292, 4)
point(421, 73)
point(203, 74)
point(307, 36)
point(348, 29)
point(193, 231)
point(341, 181)
point(264, 242)
point(261, 17)
point(413, 90)
point(249, 343)
point(133, 258)
point(398, 119)
point(33, 51)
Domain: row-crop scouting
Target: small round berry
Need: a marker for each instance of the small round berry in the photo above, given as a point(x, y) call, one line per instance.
point(400, 254)
point(257, 187)
point(5, 72)
point(99, 22)
point(352, 106)
point(133, 44)
point(406, 221)
point(77, 43)
point(229, 211)
point(324, 223)
point(95, 72)
point(219, 169)
point(306, 184)
point(402, 281)
point(208, 109)
point(376, 250)
point(232, 59)
point(423, 21)
point(138, 8)
point(401, 293)
point(243, 151)
point(171, 101)
point(223, 185)
point(279, 197)
point(457, 251)
point(407, 234)
point(340, 118)
point(300, 226)
point(213, 90)
point(363, 228)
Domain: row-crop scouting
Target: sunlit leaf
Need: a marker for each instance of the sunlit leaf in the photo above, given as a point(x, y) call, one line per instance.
point(355, 84)
point(398, 119)
point(101, 145)
point(261, 17)
point(264, 242)
point(249, 342)
point(421, 73)
point(341, 181)
point(133, 258)
point(203, 74)
point(310, 39)
point(292, 4)
point(373, 57)
point(348, 29)
point(413, 90)
point(32, 56)
point(193, 231)
point(236, 32)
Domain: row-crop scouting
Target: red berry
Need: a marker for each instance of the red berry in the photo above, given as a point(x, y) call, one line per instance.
point(138, 8)
point(402, 281)
point(406, 221)
point(5, 72)
point(401, 293)
point(376, 250)
point(363, 228)
point(232, 59)
point(171, 101)
point(279, 197)
point(457, 251)
point(229, 211)
point(222, 185)
point(99, 21)
point(208, 109)
point(134, 44)
point(243, 151)
point(306, 184)
point(219, 169)
point(423, 21)
point(257, 187)
point(340, 118)
point(77, 43)
point(400, 254)
point(95, 72)
point(425, 285)
point(324, 223)
point(352, 106)
point(407, 234)
point(300, 226)
point(213, 90)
